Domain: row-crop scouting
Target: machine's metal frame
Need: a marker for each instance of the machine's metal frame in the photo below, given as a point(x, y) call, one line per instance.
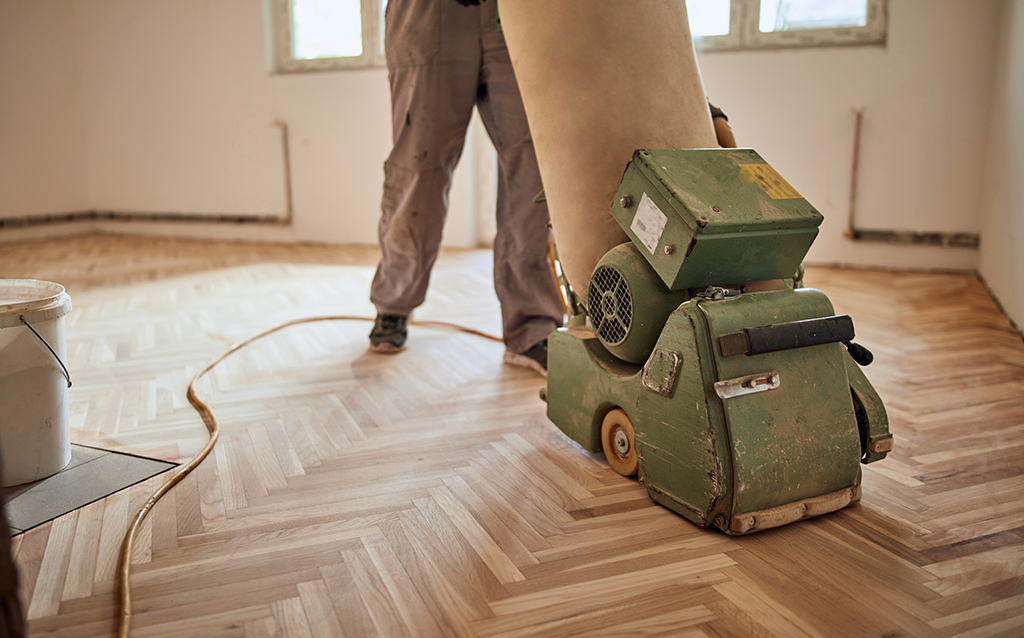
point(742, 410)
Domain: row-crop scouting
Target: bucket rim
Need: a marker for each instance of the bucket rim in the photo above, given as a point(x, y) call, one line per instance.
point(29, 296)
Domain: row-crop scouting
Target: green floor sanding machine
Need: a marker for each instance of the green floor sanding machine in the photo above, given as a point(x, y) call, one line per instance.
point(700, 363)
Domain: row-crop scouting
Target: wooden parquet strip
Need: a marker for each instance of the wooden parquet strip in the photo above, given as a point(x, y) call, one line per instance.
point(426, 494)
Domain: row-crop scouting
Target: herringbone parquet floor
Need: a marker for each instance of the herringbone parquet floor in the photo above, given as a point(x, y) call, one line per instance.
point(425, 493)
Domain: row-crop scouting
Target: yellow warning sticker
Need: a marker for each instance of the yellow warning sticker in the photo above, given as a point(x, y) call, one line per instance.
point(765, 176)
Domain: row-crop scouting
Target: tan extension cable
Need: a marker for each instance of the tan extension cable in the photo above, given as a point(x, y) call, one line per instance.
point(211, 425)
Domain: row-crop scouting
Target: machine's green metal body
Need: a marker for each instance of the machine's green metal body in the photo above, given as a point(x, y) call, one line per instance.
point(737, 440)
point(729, 217)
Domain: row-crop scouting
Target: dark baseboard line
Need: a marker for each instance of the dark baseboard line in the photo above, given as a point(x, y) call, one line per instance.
point(916, 238)
point(143, 216)
point(133, 216)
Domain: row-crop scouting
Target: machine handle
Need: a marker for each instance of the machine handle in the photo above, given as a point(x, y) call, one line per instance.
point(784, 336)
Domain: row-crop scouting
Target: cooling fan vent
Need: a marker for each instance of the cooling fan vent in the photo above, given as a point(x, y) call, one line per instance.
point(610, 305)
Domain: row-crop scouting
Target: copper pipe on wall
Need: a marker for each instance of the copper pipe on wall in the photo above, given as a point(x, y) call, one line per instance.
point(921, 238)
point(855, 171)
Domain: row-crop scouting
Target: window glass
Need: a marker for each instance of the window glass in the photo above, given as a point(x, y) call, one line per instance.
point(326, 29)
point(708, 17)
point(787, 15)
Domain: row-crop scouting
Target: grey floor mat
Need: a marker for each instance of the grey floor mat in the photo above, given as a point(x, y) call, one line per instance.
point(91, 475)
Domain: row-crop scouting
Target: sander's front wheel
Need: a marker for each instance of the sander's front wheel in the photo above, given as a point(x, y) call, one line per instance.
point(617, 441)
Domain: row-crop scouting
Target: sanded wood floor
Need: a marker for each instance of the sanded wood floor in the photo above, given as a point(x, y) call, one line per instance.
point(426, 494)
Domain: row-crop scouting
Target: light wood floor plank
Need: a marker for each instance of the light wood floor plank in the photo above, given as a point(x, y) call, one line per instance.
point(426, 494)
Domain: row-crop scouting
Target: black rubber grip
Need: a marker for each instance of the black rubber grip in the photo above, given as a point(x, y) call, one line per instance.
point(785, 336)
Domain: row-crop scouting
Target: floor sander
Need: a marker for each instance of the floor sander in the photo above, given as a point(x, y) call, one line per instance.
point(698, 361)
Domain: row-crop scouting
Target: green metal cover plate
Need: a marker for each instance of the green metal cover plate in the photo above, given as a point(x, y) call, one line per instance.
point(590, 381)
point(713, 216)
point(799, 440)
point(680, 438)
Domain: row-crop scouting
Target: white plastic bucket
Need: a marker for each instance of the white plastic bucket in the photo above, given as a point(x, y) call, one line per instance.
point(35, 436)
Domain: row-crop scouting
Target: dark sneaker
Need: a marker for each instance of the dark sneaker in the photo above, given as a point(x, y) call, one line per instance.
point(389, 333)
point(536, 358)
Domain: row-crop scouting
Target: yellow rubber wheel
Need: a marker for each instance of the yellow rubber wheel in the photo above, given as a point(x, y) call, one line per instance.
point(617, 441)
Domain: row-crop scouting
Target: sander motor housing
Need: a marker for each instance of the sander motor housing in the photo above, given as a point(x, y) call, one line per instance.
point(741, 410)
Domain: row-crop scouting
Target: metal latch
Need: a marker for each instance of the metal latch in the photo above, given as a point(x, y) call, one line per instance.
point(879, 444)
point(660, 372)
point(751, 384)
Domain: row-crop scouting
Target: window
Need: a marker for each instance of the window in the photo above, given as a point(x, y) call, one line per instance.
point(759, 24)
point(324, 35)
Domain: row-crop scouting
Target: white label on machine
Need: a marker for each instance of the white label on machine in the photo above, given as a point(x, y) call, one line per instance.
point(648, 223)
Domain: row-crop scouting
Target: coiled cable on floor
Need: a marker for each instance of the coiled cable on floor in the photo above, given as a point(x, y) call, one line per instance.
point(214, 429)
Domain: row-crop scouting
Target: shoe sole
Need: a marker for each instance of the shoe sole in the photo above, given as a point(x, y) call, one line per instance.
point(386, 348)
point(523, 361)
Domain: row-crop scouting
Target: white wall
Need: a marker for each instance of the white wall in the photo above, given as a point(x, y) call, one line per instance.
point(926, 95)
point(174, 107)
point(42, 128)
point(178, 107)
point(1002, 247)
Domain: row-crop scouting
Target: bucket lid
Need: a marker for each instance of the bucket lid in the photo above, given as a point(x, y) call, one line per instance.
point(33, 299)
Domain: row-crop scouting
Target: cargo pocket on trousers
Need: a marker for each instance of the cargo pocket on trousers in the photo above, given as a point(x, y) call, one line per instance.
point(412, 32)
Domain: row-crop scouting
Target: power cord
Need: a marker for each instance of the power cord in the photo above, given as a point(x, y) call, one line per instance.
point(213, 428)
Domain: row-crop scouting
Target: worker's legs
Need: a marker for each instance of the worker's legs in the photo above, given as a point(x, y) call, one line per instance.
point(433, 65)
point(523, 280)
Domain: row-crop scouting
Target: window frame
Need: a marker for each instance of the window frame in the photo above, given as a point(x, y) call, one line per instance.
point(284, 60)
point(745, 33)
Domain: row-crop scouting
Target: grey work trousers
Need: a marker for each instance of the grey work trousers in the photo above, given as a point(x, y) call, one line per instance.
point(442, 60)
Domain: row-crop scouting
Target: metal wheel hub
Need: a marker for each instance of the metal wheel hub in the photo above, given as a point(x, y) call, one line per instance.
point(621, 443)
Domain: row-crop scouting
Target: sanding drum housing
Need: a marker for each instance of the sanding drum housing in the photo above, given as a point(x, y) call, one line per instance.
point(738, 409)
